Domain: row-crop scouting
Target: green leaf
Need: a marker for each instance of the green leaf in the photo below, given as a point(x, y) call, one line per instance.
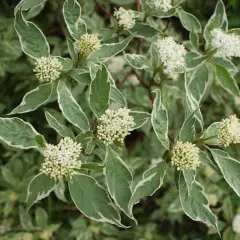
point(151, 181)
point(109, 50)
point(229, 167)
point(67, 63)
point(212, 130)
point(85, 138)
point(140, 118)
point(71, 50)
point(189, 176)
point(189, 21)
point(117, 96)
point(25, 219)
point(119, 180)
point(41, 217)
point(40, 187)
point(167, 14)
point(70, 108)
point(92, 200)
point(144, 30)
point(100, 92)
point(40, 140)
point(188, 131)
point(8, 176)
point(138, 61)
point(194, 38)
point(226, 80)
point(227, 208)
point(17, 133)
point(159, 119)
point(59, 191)
point(217, 20)
point(34, 99)
point(226, 63)
point(199, 79)
point(195, 203)
point(80, 75)
point(194, 60)
point(28, 4)
point(58, 127)
point(72, 16)
point(93, 166)
point(32, 40)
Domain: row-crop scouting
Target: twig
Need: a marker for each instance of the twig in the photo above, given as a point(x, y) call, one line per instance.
point(167, 25)
point(103, 9)
point(124, 79)
point(139, 46)
point(137, 5)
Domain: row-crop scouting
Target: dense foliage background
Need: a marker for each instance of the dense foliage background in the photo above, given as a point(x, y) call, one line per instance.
point(159, 216)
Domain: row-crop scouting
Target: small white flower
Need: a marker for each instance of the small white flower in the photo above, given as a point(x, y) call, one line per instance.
point(115, 125)
point(236, 223)
point(47, 69)
point(163, 5)
point(116, 64)
point(185, 156)
point(229, 131)
point(228, 45)
point(61, 160)
point(125, 18)
point(171, 53)
point(88, 43)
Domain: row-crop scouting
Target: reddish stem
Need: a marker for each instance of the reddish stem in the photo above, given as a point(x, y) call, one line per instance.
point(124, 79)
point(137, 5)
point(103, 9)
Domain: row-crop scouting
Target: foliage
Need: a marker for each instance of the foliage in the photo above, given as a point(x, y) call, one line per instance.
point(80, 83)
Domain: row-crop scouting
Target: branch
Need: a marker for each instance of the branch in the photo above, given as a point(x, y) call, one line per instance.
point(103, 9)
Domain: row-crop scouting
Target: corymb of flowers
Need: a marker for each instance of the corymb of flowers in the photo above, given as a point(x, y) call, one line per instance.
point(88, 43)
point(125, 18)
point(115, 126)
point(229, 131)
point(61, 160)
point(171, 53)
point(185, 156)
point(47, 69)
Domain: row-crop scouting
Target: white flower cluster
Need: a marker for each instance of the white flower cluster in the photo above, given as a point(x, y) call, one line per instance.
point(47, 69)
point(88, 43)
point(163, 5)
point(61, 160)
point(115, 125)
point(236, 223)
point(171, 53)
point(185, 156)
point(228, 45)
point(125, 18)
point(229, 131)
point(116, 64)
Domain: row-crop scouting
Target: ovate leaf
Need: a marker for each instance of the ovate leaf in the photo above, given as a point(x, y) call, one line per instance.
point(195, 203)
point(85, 138)
point(144, 30)
point(226, 80)
point(212, 131)
point(34, 99)
point(72, 16)
point(58, 127)
point(80, 75)
point(70, 108)
point(151, 181)
point(189, 21)
point(109, 50)
point(217, 20)
point(140, 118)
point(32, 40)
point(138, 61)
point(117, 96)
point(229, 167)
point(119, 180)
point(40, 187)
point(17, 133)
point(92, 200)
point(159, 120)
point(100, 92)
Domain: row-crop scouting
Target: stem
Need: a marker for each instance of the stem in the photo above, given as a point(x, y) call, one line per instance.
point(103, 9)
point(202, 140)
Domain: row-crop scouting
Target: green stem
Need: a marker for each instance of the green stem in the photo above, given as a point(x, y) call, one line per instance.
point(202, 140)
